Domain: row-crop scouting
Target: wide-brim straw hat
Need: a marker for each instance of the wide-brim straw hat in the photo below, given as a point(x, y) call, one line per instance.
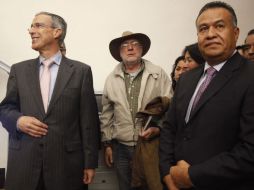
point(114, 45)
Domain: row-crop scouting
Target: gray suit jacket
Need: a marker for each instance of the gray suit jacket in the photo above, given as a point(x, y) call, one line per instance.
point(71, 143)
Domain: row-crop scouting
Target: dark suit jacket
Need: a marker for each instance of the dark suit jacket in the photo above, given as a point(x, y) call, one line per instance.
point(71, 143)
point(218, 140)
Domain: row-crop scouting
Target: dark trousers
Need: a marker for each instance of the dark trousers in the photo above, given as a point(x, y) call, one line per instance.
point(41, 184)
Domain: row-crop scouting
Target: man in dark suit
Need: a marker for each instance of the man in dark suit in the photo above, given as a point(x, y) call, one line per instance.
point(209, 143)
point(53, 144)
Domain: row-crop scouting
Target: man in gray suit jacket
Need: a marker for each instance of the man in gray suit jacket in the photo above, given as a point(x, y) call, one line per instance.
point(53, 144)
point(208, 144)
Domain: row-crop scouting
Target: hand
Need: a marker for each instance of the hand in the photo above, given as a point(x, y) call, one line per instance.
point(108, 156)
point(180, 175)
point(88, 176)
point(150, 132)
point(32, 126)
point(170, 183)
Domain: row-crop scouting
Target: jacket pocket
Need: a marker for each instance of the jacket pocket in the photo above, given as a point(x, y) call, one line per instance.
point(71, 92)
point(73, 146)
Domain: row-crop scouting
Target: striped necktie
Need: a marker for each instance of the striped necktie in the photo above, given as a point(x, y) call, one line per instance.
point(210, 74)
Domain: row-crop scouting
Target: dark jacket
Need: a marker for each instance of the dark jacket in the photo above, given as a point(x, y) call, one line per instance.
point(218, 140)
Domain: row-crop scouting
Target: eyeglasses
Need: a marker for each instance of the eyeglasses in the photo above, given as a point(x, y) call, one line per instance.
point(125, 45)
point(247, 47)
point(39, 26)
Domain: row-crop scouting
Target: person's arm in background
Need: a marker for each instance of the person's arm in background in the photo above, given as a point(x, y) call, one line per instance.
point(106, 119)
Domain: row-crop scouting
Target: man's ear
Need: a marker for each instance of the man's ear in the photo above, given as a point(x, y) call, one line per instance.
point(237, 32)
point(57, 33)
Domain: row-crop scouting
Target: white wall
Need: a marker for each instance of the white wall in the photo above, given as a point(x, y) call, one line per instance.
point(92, 24)
point(3, 133)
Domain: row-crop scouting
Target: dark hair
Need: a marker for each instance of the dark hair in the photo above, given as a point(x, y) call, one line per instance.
point(219, 4)
point(194, 53)
point(251, 32)
point(63, 48)
point(57, 22)
point(173, 71)
point(239, 47)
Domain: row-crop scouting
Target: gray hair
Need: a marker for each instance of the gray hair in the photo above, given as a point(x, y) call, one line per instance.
point(57, 22)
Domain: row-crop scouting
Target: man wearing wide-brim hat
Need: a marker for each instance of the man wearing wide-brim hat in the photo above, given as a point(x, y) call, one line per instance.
point(129, 87)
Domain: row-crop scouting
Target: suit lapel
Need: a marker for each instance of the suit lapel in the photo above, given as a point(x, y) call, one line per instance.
point(64, 74)
point(190, 87)
point(33, 80)
point(220, 80)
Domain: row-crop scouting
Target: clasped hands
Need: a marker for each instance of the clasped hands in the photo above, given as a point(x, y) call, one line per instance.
point(178, 176)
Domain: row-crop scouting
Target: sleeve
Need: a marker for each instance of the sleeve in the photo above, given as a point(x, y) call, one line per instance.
point(107, 115)
point(165, 91)
point(237, 163)
point(10, 107)
point(165, 85)
point(89, 121)
point(167, 139)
